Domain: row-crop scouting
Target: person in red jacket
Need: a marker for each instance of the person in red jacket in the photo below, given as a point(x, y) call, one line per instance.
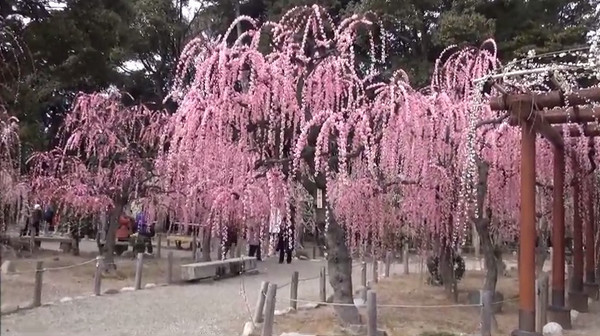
point(123, 233)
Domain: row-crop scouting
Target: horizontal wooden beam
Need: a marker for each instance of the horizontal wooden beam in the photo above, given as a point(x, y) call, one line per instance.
point(572, 114)
point(589, 130)
point(548, 99)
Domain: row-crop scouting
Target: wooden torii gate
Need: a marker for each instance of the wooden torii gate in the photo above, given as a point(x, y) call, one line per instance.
point(527, 111)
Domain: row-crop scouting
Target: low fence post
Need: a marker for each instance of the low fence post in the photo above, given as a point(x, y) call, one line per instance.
point(138, 271)
point(314, 252)
point(194, 246)
point(405, 258)
point(541, 301)
point(323, 285)
point(363, 281)
point(486, 300)
point(260, 303)
point(37, 288)
point(371, 313)
point(98, 275)
point(270, 310)
point(294, 291)
point(170, 267)
point(388, 263)
point(375, 271)
point(159, 245)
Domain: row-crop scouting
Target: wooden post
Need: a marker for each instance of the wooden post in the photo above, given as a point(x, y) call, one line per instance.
point(323, 285)
point(194, 246)
point(37, 288)
point(314, 252)
point(294, 291)
point(270, 310)
point(405, 258)
point(138, 271)
point(527, 226)
point(170, 267)
point(487, 297)
point(388, 263)
point(541, 302)
point(363, 281)
point(371, 313)
point(158, 245)
point(375, 271)
point(260, 303)
point(98, 275)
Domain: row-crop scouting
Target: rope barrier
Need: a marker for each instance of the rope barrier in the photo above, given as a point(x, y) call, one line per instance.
point(49, 269)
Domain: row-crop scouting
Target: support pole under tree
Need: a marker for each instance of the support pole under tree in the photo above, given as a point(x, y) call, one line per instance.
point(294, 291)
point(269, 310)
point(37, 288)
point(98, 275)
point(260, 302)
point(590, 285)
point(527, 233)
point(577, 298)
point(170, 267)
point(406, 258)
point(557, 312)
point(375, 277)
point(138, 271)
point(371, 313)
point(388, 264)
point(158, 245)
point(323, 285)
point(541, 306)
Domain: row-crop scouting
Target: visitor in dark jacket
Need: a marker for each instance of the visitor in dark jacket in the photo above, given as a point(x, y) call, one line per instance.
point(285, 244)
point(145, 230)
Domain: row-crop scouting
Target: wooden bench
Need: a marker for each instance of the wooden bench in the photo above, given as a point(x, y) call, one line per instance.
point(217, 268)
point(180, 239)
point(65, 243)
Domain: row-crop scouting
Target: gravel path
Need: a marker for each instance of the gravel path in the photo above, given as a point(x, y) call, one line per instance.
point(201, 309)
point(209, 308)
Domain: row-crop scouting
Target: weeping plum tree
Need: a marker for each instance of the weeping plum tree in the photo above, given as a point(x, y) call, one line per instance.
point(105, 159)
point(305, 111)
point(10, 169)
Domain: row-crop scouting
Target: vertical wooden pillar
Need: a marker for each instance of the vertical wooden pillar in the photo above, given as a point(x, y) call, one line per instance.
point(527, 233)
point(558, 230)
point(557, 311)
point(590, 285)
point(590, 274)
point(577, 298)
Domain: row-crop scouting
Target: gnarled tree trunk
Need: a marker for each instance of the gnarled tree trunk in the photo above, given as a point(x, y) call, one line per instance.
point(446, 267)
point(206, 244)
point(339, 264)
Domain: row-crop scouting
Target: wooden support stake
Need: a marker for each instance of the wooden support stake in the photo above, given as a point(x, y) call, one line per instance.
point(371, 313)
point(375, 275)
point(294, 291)
point(260, 303)
point(194, 246)
point(138, 271)
point(314, 252)
point(269, 310)
point(487, 297)
point(98, 275)
point(363, 281)
point(541, 302)
point(388, 263)
point(159, 245)
point(170, 267)
point(37, 288)
point(323, 285)
point(405, 258)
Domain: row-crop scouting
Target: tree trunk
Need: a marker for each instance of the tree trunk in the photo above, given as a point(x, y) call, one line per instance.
point(109, 242)
point(446, 266)
point(339, 264)
point(206, 244)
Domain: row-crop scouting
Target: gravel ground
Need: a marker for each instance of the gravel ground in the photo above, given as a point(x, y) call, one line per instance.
point(207, 308)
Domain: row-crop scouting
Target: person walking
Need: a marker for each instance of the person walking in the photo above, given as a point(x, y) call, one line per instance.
point(285, 244)
point(254, 243)
point(145, 230)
